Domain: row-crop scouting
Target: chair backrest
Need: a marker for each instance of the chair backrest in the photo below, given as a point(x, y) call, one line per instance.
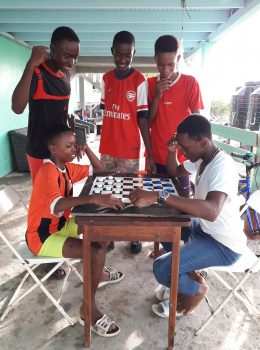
point(8, 199)
point(254, 201)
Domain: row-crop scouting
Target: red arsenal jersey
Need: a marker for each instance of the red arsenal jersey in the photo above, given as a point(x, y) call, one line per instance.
point(176, 104)
point(123, 100)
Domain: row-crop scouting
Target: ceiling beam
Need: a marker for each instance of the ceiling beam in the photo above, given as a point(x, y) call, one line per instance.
point(104, 36)
point(111, 16)
point(105, 4)
point(108, 27)
point(85, 45)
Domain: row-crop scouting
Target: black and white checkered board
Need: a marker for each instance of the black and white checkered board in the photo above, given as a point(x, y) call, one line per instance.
point(121, 186)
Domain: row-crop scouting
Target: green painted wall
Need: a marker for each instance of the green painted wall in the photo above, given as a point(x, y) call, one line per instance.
point(12, 62)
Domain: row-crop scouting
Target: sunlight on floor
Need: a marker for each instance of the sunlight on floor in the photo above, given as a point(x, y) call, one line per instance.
point(237, 336)
point(133, 341)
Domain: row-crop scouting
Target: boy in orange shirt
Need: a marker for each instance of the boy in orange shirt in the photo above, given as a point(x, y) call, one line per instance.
point(124, 101)
point(51, 231)
point(172, 96)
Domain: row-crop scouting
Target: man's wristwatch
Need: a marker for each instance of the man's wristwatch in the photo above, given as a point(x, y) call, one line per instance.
point(163, 195)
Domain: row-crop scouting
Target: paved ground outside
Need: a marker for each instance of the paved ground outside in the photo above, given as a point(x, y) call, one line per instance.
point(35, 323)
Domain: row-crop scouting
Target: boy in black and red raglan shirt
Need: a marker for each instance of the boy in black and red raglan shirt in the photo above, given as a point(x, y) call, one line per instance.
point(45, 84)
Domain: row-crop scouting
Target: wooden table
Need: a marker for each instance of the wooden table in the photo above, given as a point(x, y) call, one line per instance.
point(150, 224)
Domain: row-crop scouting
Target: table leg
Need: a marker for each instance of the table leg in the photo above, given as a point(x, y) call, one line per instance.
point(174, 286)
point(87, 288)
point(156, 249)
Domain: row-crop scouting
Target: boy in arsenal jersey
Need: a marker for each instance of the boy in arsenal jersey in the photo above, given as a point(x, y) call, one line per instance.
point(172, 96)
point(45, 84)
point(124, 101)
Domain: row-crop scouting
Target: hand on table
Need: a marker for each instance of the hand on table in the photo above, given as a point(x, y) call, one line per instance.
point(142, 198)
point(108, 201)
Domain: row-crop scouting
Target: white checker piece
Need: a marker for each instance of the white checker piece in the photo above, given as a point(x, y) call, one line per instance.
point(120, 187)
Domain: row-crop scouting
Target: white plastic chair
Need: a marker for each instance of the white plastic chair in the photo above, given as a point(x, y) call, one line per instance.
point(21, 253)
point(247, 264)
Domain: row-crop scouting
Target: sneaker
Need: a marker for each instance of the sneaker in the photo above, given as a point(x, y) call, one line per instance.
point(135, 247)
point(111, 246)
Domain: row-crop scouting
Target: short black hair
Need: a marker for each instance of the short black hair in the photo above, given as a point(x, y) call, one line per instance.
point(64, 33)
point(196, 126)
point(166, 43)
point(54, 131)
point(123, 37)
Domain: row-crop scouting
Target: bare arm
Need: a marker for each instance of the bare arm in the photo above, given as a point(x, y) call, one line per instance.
point(174, 168)
point(104, 200)
point(98, 165)
point(20, 96)
point(207, 209)
point(143, 125)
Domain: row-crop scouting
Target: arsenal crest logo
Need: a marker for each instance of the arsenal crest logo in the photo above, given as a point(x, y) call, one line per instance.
point(130, 95)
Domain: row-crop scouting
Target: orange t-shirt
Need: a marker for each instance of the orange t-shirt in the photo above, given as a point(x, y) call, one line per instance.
point(123, 100)
point(176, 104)
point(51, 184)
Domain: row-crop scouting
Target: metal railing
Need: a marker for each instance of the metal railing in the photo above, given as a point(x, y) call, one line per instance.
point(224, 136)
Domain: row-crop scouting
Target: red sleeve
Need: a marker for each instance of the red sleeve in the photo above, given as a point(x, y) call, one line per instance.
point(77, 172)
point(195, 98)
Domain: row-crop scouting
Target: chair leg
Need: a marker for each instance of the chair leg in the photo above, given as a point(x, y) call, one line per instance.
point(71, 265)
point(228, 297)
point(156, 249)
point(247, 297)
point(38, 283)
point(13, 300)
point(209, 304)
point(246, 300)
point(63, 285)
point(28, 291)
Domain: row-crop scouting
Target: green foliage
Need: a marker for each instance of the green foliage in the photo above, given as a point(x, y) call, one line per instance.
point(220, 109)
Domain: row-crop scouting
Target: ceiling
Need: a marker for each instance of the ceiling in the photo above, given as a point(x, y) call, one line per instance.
point(96, 22)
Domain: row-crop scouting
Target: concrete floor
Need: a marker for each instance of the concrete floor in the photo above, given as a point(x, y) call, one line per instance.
point(35, 323)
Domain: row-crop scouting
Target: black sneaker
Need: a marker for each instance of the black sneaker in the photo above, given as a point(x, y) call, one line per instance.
point(111, 246)
point(135, 247)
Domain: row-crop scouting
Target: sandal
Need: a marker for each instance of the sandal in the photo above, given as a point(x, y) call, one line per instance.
point(161, 252)
point(58, 274)
point(101, 327)
point(162, 293)
point(114, 276)
point(162, 310)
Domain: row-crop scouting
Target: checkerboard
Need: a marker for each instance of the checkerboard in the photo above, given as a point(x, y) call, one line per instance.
point(120, 187)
